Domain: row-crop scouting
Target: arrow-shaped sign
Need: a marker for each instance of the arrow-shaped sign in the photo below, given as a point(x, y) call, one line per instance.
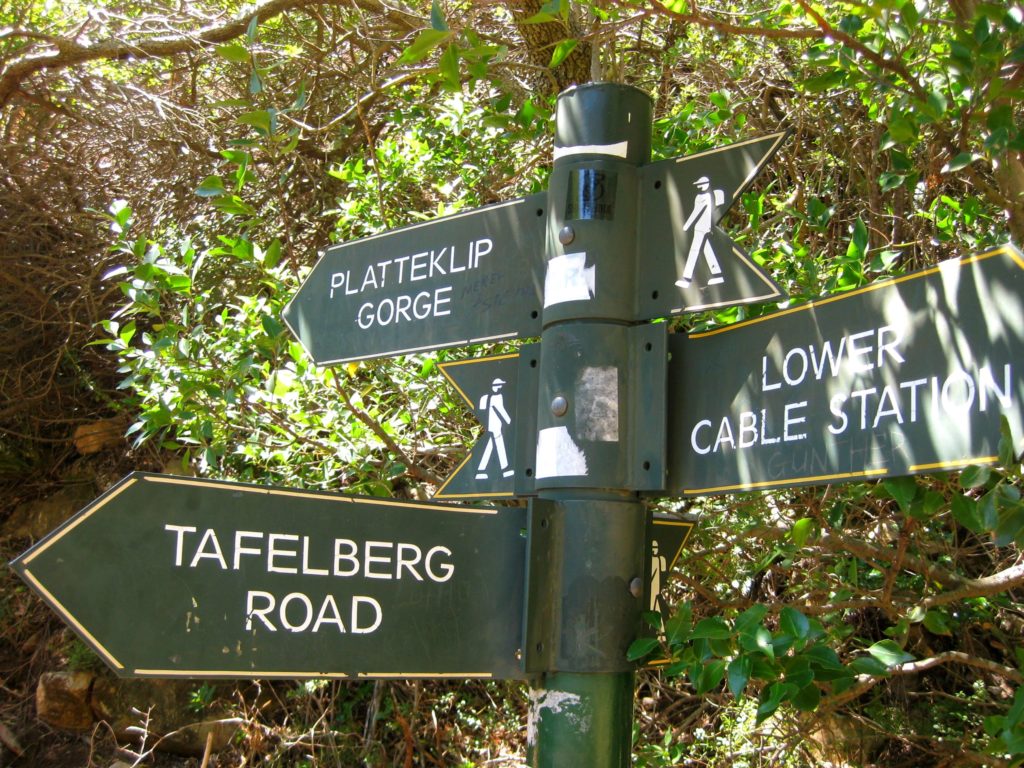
point(177, 577)
point(900, 377)
point(687, 262)
point(502, 394)
point(463, 279)
point(666, 537)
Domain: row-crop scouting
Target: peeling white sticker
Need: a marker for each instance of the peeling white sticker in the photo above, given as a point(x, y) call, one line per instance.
point(597, 404)
point(558, 455)
point(569, 279)
point(619, 149)
point(553, 701)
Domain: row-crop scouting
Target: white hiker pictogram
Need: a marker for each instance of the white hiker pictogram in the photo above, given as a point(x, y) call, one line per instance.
point(658, 566)
point(702, 220)
point(493, 404)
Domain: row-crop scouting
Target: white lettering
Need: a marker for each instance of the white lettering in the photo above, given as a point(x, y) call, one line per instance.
point(789, 420)
point(273, 552)
point(240, 549)
point(306, 604)
point(446, 568)
point(214, 554)
point(260, 613)
point(378, 615)
point(181, 530)
point(693, 437)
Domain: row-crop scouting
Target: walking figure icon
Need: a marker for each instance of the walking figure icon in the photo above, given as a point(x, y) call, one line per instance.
point(702, 218)
point(493, 405)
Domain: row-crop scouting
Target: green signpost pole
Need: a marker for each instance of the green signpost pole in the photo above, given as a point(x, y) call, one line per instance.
point(586, 545)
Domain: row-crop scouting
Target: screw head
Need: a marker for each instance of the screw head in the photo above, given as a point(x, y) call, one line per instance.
point(566, 235)
point(559, 406)
point(636, 587)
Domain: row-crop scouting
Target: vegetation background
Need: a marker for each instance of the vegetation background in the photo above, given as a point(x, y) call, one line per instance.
point(169, 170)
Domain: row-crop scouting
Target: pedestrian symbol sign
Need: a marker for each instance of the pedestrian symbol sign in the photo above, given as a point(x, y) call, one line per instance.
point(502, 395)
point(701, 219)
point(688, 262)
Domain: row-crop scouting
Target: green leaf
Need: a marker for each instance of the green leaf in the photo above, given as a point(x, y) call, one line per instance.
point(255, 82)
point(271, 326)
point(772, 697)
point(794, 623)
point(1011, 526)
point(824, 82)
point(449, 64)
point(261, 119)
point(738, 674)
point(935, 622)
point(889, 180)
point(711, 629)
point(858, 246)
point(710, 676)
point(427, 40)
point(807, 698)
point(233, 52)
point(902, 129)
point(562, 50)
point(760, 640)
point(677, 629)
point(800, 531)
point(909, 14)
point(749, 620)
point(212, 186)
point(1007, 447)
point(960, 162)
point(437, 17)
point(640, 647)
point(889, 653)
point(974, 476)
point(272, 256)
point(866, 665)
point(719, 99)
point(965, 512)
point(902, 489)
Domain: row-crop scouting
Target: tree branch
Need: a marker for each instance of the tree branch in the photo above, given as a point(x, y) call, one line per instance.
point(70, 53)
point(1005, 580)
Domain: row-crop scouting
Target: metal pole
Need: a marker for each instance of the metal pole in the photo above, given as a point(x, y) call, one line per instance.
point(586, 567)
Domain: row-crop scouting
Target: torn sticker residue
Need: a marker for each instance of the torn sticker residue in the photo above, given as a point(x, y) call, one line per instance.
point(597, 404)
point(558, 455)
point(569, 279)
point(553, 701)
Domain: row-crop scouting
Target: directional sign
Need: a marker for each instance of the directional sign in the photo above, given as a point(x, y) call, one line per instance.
point(666, 537)
point(176, 577)
point(900, 377)
point(687, 262)
point(503, 395)
point(463, 279)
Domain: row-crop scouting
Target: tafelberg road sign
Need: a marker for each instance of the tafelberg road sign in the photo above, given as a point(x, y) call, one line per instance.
point(177, 577)
point(900, 377)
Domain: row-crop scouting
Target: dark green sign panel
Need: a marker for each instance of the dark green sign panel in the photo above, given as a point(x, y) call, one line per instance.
point(687, 262)
point(502, 393)
point(462, 279)
point(903, 376)
point(176, 577)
